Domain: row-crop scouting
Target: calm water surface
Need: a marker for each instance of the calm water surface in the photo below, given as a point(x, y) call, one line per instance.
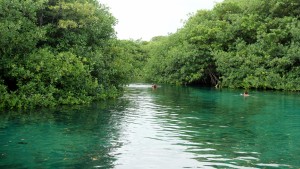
point(167, 128)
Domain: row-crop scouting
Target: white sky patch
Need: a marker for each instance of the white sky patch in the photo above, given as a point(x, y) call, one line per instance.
point(144, 19)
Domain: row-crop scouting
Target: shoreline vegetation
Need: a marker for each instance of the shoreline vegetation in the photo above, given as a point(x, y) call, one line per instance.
point(55, 52)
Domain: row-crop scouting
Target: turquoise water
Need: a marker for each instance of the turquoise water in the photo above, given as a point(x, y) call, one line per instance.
point(170, 127)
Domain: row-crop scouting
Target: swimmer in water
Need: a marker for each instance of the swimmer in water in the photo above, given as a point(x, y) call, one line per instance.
point(246, 93)
point(154, 86)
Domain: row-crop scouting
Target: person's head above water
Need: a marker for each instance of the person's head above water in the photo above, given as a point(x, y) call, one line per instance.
point(246, 93)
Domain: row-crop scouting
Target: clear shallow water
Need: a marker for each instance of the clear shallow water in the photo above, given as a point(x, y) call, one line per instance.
point(171, 127)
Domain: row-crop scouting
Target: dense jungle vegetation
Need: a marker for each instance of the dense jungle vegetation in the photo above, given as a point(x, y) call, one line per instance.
point(238, 44)
point(55, 52)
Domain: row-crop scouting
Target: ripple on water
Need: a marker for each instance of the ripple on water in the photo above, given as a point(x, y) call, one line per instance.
point(171, 127)
point(274, 165)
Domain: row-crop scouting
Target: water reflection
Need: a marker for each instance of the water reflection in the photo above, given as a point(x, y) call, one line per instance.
point(171, 127)
point(203, 128)
point(80, 137)
point(149, 144)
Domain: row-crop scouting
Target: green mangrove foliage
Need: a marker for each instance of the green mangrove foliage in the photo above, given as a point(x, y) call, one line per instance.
point(130, 60)
point(238, 44)
point(55, 52)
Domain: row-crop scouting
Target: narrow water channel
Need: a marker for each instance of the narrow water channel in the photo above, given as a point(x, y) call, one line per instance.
point(170, 127)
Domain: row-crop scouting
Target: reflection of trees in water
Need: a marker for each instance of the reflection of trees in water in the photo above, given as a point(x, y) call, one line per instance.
point(222, 123)
point(81, 136)
point(277, 128)
point(214, 126)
